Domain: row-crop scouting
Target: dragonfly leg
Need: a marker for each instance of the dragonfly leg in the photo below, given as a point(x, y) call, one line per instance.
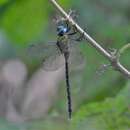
point(81, 36)
point(72, 14)
point(68, 25)
point(74, 31)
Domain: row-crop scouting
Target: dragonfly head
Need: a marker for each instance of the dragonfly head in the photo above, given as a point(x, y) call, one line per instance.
point(61, 30)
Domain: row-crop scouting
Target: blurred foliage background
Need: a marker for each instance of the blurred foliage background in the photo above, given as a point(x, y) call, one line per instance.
point(100, 101)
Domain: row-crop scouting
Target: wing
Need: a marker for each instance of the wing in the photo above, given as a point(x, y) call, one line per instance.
point(41, 50)
point(49, 54)
point(76, 59)
point(53, 62)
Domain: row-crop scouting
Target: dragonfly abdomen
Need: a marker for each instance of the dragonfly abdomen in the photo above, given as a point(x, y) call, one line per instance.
point(68, 88)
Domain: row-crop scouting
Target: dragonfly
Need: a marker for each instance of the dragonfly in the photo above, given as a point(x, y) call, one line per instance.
point(65, 49)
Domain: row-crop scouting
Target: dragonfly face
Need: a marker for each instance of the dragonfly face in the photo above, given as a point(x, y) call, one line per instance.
point(62, 30)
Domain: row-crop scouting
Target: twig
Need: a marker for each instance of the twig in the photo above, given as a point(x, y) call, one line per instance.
point(112, 58)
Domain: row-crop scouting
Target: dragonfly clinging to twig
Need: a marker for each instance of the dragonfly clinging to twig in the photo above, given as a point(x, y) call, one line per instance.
point(65, 40)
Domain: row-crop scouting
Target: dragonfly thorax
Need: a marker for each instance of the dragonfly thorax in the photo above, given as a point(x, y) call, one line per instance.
point(62, 30)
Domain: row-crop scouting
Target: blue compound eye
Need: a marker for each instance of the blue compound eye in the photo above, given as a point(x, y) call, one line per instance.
point(61, 30)
point(65, 30)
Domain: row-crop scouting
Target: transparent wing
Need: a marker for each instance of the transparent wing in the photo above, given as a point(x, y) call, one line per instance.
point(49, 54)
point(76, 59)
point(51, 57)
point(41, 50)
point(53, 62)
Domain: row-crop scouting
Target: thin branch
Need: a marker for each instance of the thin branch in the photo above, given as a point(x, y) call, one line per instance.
point(112, 58)
point(122, 50)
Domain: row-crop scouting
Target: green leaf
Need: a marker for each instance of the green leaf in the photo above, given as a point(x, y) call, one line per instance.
point(3, 2)
point(110, 114)
point(65, 3)
point(24, 20)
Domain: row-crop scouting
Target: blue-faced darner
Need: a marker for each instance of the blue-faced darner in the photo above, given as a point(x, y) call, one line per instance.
point(65, 48)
